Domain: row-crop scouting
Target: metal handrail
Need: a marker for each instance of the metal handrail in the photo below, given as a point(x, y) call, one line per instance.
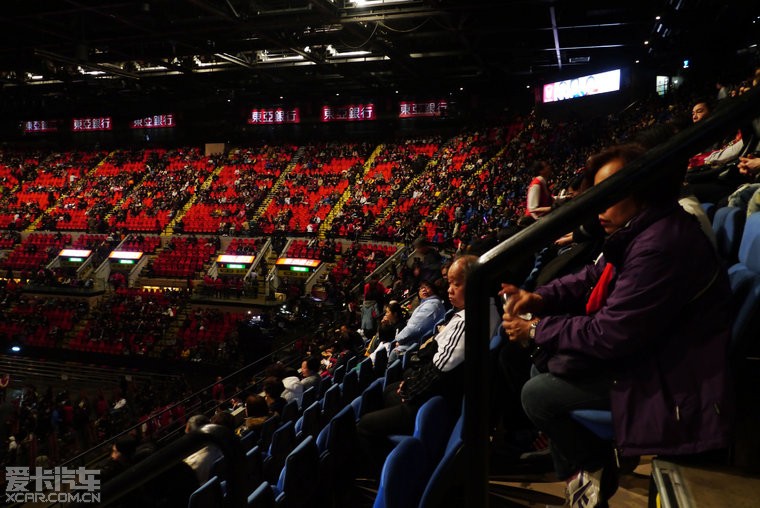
point(493, 267)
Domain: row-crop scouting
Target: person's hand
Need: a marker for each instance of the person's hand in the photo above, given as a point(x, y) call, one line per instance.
point(520, 301)
point(564, 240)
point(749, 165)
point(517, 328)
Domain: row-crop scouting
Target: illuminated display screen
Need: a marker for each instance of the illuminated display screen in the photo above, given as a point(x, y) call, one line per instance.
point(274, 116)
point(126, 261)
point(312, 263)
point(580, 87)
point(75, 253)
point(225, 258)
point(233, 266)
point(91, 124)
point(40, 126)
point(351, 113)
point(154, 122)
point(418, 109)
point(299, 269)
point(123, 254)
point(75, 260)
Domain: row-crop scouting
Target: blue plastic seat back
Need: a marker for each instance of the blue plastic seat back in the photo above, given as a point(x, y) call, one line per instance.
point(267, 430)
point(381, 362)
point(350, 388)
point(433, 426)
point(283, 442)
point(208, 495)
point(324, 385)
point(744, 278)
point(262, 497)
point(300, 477)
point(338, 374)
point(393, 373)
point(709, 209)
point(408, 356)
point(309, 397)
point(254, 466)
point(290, 411)
point(728, 225)
point(309, 423)
point(598, 421)
point(351, 363)
point(447, 473)
point(366, 373)
point(404, 475)
point(370, 400)
point(331, 403)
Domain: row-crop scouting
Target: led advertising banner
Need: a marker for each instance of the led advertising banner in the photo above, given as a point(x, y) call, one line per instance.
point(31, 126)
point(154, 122)
point(91, 124)
point(581, 87)
point(351, 113)
point(427, 108)
point(274, 116)
point(312, 263)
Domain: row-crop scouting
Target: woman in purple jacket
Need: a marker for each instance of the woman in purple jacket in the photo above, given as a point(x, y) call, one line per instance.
point(643, 332)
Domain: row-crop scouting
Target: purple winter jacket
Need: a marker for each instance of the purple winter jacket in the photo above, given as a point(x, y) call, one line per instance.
point(662, 334)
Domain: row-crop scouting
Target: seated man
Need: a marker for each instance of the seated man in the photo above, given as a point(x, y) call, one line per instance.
point(440, 372)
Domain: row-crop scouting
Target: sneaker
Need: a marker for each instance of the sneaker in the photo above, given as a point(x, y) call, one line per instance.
point(584, 491)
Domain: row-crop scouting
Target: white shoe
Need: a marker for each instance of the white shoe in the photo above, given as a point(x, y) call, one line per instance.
point(584, 491)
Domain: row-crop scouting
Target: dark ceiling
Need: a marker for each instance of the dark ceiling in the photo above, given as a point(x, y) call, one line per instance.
point(247, 49)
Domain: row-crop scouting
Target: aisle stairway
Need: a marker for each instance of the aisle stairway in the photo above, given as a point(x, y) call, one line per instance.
point(283, 177)
point(327, 223)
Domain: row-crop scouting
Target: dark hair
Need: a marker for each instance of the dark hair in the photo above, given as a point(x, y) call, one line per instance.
point(273, 387)
point(395, 308)
point(224, 419)
point(467, 263)
point(666, 189)
point(256, 405)
point(312, 363)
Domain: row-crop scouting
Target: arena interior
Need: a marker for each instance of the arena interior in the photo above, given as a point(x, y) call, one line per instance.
point(237, 238)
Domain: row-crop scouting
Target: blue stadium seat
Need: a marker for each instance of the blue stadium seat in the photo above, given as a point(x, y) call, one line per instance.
point(447, 473)
point(267, 430)
point(404, 475)
point(254, 465)
point(366, 373)
point(309, 397)
point(249, 440)
point(370, 400)
point(408, 355)
point(331, 403)
point(432, 427)
point(309, 423)
point(338, 373)
point(290, 411)
point(350, 388)
point(283, 442)
point(337, 447)
point(300, 477)
point(598, 421)
point(709, 209)
point(262, 497)
point(744, 277)
point(351, 363)
point(324, 385)
point(393, 373)
point(208, 495)
point(381, 362)
point(728, 225)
